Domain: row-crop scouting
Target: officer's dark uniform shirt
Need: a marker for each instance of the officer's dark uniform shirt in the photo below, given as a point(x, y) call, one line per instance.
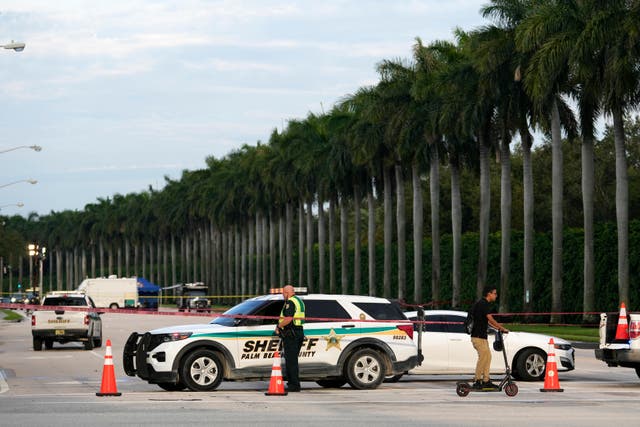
point(480, 322)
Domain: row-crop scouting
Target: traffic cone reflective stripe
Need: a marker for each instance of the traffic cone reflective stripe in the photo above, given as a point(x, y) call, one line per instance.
point(622, 332)
point(108, 387)
point(276, 384)
point(551, 381)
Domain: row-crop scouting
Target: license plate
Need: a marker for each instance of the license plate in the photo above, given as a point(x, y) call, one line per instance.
point(59, 331)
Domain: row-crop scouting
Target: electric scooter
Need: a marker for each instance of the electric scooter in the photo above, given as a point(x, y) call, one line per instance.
point(463, 388)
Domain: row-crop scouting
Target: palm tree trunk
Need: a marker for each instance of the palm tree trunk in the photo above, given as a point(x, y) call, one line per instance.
point(527, 174)
point(388, 234)
point(485, 211)
point(243, 263)
point(371, 239)
point(310, 244)
point(259, 254)
point(119, 260)
point(59, 270)
point(251, 257)
point(357, 246)
point(622, 205)
point(265, 253)
point(127, 256)
point(301, 242)
point(174, 263)
point(332, 244)
point(588, 299)
point(289, 232)
point(236, 257)
point(272, 250)
point(434, 191)
point(401, 227)
point(281, 248)
point(505, 221)
point(556, 214)
point(321, 241)
point(344, 246)
point(456, 231)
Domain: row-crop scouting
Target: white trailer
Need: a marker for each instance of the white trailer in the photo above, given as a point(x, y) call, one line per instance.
point(112, 292)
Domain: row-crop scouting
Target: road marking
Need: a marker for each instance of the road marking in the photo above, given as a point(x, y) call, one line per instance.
point(4, 387)
point(48, 357)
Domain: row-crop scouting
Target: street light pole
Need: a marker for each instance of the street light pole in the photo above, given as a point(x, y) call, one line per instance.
point(30, 181)
point(19, 204)
point(33, 147)
point(16, 46)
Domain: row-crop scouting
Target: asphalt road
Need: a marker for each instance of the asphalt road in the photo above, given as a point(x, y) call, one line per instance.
point(58, 388)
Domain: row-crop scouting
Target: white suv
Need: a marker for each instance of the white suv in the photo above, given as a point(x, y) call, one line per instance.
point(348, 339)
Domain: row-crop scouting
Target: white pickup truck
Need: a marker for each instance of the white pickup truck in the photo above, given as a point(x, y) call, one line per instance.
point(615, 352)
point(66, 317)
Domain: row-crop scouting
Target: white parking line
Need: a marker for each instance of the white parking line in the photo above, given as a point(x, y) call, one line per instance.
point(4, 387)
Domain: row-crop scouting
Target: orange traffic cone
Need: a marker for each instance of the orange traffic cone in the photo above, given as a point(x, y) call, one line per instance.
point(108, 387)
point(276, 385)
point(551, 382)
point(622, 333)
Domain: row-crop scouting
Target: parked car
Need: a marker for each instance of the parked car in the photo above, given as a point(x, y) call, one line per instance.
point(17, 298)
point(447, 348)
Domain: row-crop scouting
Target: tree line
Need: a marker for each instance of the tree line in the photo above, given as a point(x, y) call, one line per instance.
point(339, 184)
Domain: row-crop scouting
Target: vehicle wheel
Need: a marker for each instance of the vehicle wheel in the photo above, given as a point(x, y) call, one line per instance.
point(511, 389)
point(463, 389)
point(37, 344)
point(531, 365)
point(172, 386)
point(48, 344)
point(393, 378)
point(113, 306)
point(365, 369)
point(88, 344)
point(332, 383)
point(202, 370)
point(638, 372)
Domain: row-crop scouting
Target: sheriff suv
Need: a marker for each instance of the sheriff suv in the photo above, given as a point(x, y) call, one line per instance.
point(348, 339)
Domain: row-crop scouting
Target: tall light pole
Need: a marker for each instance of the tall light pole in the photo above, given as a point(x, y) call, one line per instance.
point(16, 46)
point(19, 204)
point(30, 181)
point(33, 147)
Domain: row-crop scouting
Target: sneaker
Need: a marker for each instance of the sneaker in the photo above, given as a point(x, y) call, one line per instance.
point(477, 385)
point(489, 385)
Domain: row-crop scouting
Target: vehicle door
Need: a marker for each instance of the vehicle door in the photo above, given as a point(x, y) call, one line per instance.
point(255, 341)
point(462, 355)
point(435, 344)
point(329, 328)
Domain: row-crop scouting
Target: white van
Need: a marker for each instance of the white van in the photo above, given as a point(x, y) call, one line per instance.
point(112, 292)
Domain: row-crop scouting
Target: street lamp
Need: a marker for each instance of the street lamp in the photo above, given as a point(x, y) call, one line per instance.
point(37, 254)
point(19, 204)
point(30, 181)
point(33, 147)
point(17, 46)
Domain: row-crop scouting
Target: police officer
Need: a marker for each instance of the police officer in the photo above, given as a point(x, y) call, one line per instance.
point(290, 331)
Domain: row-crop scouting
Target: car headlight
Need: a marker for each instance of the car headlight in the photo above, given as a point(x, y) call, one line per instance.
point(562, 346)
point(26, 301)
point(13, 300)
point(176, 336)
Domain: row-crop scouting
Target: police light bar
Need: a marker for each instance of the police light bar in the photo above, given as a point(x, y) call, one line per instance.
point(299, 290)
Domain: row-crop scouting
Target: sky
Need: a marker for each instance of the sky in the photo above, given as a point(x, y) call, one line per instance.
point(120, 94)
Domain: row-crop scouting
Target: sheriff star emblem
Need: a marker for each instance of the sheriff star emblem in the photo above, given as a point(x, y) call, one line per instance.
point(333, 340)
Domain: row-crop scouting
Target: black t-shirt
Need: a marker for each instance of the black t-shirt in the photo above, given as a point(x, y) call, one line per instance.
point(480, 322)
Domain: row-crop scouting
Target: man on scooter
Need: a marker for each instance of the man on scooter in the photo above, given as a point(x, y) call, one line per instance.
point(482, 318)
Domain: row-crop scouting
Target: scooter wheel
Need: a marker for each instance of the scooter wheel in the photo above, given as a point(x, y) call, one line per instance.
point(462, 389)
point(511, 389)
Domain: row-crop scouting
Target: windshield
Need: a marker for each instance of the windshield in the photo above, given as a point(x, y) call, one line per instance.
point(244, 308)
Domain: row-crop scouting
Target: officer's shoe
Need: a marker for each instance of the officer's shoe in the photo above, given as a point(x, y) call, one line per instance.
point(489, 386)
point(293, 389)
point(477, 385)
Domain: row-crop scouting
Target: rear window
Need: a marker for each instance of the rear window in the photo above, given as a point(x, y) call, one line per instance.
point(381, 311)
point(66, 301)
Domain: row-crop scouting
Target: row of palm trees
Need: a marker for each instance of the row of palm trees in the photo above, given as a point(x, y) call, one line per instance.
point(543, 65)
